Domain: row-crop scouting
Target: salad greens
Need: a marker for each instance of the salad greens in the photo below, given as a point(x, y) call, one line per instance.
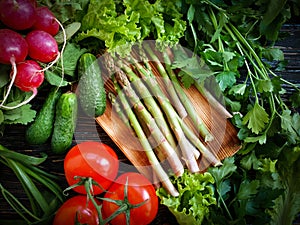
point(196, 195)
point(120, 24)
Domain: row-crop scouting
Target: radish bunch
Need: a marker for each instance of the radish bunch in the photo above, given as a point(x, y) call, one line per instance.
point(26, 41)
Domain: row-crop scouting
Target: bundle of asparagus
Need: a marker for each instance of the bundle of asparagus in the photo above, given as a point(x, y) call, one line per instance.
point(150, 100)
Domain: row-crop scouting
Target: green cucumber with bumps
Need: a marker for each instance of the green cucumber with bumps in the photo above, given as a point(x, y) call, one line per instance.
point(65, 122)
point(91, 91)
point(41, 129)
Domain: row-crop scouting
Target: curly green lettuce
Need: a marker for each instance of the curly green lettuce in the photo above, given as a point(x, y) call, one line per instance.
point(121, 25)
point(196, 195)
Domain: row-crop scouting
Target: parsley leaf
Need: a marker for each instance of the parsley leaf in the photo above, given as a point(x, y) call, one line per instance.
point(248, 189)
point(291, 125)
point(250, 161)
point(192, 69)
point(226, 79)
point(238, 89)
point(256, 118)
point(264, 86)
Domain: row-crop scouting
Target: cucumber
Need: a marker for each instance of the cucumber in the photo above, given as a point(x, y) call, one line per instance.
point(65, 122)
point(41, 129)
point(91, 91)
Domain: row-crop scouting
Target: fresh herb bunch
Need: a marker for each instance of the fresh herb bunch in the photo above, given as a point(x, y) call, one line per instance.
point(233, 45)
point(235, 39)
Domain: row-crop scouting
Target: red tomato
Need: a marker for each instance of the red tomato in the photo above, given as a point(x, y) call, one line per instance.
point(139, 190)
point(86, 212)
point(91, 159)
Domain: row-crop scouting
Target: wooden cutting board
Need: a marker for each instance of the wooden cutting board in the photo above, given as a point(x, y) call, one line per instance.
point(225, 141)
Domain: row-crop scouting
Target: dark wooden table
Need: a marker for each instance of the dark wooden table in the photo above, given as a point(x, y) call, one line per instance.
point(88, 129)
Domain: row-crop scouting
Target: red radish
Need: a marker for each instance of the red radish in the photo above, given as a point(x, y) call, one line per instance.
point(17, 14)
point(29, 76)
point(46, 21)
point(42, 46)
point(13, 47)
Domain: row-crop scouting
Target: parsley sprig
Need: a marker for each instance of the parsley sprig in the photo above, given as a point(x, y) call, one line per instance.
point(237, 48)
point(235, 39)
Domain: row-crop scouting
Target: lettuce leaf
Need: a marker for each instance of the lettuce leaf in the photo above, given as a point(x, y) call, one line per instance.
point(196, 195)
point(121, 25)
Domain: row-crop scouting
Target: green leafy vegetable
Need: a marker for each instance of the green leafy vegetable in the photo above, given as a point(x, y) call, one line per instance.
point(44, 198)
point(120, 25)
point(256, 118)
point(196, 197)
point(21, 115)
point(287, 206)
point(64, 73)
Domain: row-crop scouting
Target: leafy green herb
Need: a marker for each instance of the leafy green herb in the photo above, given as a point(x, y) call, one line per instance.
point(235, 39)
point(70, 58)
point(224, 36)
point(256, 118)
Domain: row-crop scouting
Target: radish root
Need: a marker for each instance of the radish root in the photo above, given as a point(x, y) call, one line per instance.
point(14, 69)
point(62, 50)
point(34, 91)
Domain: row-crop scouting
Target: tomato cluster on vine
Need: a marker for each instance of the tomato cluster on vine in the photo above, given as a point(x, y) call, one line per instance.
point(102, 194)
point(27, 41)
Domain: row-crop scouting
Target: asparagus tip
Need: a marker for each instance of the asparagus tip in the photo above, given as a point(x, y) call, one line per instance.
point(219, 163)
point(208, 138)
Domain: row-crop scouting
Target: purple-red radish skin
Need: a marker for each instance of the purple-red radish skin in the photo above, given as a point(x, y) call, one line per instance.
point(13, 47)
point(29, 76)
point(42, 46)
point(17, 14)
point(46, 21)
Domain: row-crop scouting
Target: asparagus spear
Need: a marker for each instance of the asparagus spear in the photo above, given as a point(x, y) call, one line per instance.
point(197, 142)
point(186, 147)
point(169, 152)
point(156, 166)
point(121, 113)
point(200, 125)
point(118, 108)
point(153, 107)
point(211, 99)
point(176, 102)
point(169, 74)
